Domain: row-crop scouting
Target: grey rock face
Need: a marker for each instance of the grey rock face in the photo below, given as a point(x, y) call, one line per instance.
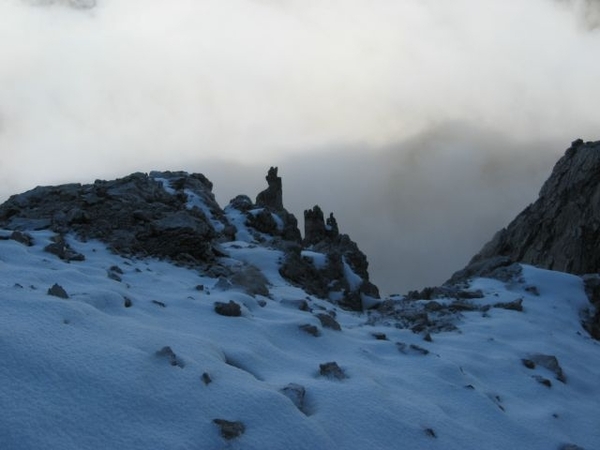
point(134, 215)
point(561, 230)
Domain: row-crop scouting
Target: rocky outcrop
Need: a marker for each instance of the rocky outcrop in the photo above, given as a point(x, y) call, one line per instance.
point(268, 216)
point(343, 275)
point(561, 230)
point(174, 215)
point(165, 214)
point(272, 197)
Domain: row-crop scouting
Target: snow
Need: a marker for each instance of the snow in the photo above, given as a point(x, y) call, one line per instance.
point(84, 373)
point(319, 260)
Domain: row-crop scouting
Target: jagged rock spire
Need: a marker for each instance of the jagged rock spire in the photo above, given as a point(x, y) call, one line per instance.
point(315, 227)
point(272, 197)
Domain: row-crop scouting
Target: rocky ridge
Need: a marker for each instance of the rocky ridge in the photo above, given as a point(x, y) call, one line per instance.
point(174, 215)
point(559, 231)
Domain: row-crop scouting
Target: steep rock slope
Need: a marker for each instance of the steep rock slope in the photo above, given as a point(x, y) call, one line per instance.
point(561, 230)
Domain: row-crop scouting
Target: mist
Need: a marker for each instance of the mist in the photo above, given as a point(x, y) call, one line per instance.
point(425, 126)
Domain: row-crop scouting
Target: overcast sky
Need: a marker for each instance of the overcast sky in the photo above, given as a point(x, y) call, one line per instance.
point(425, 125)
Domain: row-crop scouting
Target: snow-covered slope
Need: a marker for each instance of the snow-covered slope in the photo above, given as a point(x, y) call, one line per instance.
point(137, 358)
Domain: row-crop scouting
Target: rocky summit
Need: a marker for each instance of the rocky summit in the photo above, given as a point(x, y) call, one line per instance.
point(174, 215)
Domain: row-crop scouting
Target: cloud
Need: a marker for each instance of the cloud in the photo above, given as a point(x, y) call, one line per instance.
point(412, 86)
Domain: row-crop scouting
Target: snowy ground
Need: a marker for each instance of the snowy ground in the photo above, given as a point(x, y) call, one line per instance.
point(88, 372)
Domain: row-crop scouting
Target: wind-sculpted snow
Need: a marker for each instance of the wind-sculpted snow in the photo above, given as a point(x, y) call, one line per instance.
point(137, 358)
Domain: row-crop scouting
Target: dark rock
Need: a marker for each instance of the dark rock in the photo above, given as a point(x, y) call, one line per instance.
point(332, 370)
point(206, 379)
point(540, 379)
point(167, 353)
point(300, 304)
point(241, 203)
point(463, 306)
point(133, 215)
point(411, 349)
point(592, 289)
point(379, 336)
point(310, 329)
point(515, 305)
point(328, 322)
point(230, 430)
point(21, 237)
point(528, 363)
point(561, 230)
point(296, 394)
point(63, 250)
point(200, 287)
point(570, 447)
point(429, 432)
point(533, 290)
point(231, 309)
point(127, 302)
point(272, 197)
point(550, 362)
point(58, 291)
point(161, 304)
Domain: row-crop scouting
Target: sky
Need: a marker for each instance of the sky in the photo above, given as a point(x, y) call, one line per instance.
point(424, 125)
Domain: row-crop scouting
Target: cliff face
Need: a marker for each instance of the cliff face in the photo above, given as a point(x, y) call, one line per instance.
point(174, 215)
point(561, 230)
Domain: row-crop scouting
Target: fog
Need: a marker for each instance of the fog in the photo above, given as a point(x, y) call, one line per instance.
point(424, 125)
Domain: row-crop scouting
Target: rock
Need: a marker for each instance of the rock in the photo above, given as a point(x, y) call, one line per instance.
point(528, 363)
point(272, 197)
point(206, 379)
point(540, 379)
point(63, 250)
point(310, 329)
point(127, 302)
point(167, 353)
point(550, 362)
point(430, 432)
point(133, 215)
point(561, 229)
point(379, 336)
point(22, 238)
point(591, 321)
point(515, 305)
point(411, 349)
point(299, 304)
point(296, 394)
point(332, 370)
point(58, 291)
point(328, 322)
point(157, 303)
point(570, 447)
point(230, 430)
point(231, 309)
